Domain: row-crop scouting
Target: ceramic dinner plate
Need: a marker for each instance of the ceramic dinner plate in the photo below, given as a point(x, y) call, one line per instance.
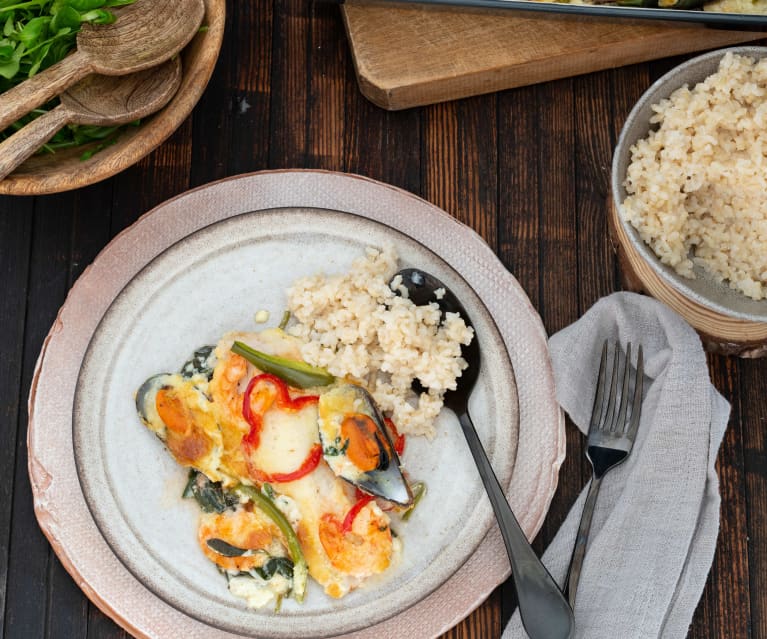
point(214, 281)
point(108, 496)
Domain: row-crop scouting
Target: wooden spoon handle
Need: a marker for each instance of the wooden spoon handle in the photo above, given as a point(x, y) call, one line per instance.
point(40, 88)
point(27, 140)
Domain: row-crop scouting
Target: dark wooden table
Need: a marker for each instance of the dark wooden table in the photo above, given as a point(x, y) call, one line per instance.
point(526, 168)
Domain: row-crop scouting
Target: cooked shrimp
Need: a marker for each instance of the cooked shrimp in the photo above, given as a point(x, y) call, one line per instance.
point(363, 551)
point(224, 389)
point(317, 494)
point(249, 530)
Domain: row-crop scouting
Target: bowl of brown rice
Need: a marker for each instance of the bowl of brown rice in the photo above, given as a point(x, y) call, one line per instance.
point(689, 181)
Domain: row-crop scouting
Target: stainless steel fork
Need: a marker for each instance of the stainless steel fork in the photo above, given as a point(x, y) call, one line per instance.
point(612, 432)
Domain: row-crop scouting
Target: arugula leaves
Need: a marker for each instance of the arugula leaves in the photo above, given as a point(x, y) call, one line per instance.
point(37, 34)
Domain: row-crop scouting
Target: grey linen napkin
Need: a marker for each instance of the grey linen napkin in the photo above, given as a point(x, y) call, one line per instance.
point(656, 521)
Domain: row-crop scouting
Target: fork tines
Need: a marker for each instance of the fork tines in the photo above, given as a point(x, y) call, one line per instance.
point(608, 414)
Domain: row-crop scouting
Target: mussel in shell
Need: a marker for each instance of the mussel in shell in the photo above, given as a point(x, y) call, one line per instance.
point(181, 415)
point(357, 446)
point(146, 402)
point(201, 363)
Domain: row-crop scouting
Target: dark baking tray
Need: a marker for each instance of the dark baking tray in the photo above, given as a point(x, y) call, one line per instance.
point(746, 22)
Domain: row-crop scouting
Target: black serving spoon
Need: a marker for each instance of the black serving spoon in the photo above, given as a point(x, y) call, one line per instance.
point(543, 608)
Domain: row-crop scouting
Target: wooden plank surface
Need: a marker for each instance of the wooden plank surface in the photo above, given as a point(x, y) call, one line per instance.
point(410, 55)
point(527, 168)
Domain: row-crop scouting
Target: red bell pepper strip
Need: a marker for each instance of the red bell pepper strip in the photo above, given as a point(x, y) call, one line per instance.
point(263, 392)
point(362, 500)
point(309, 464)
point(398, 440)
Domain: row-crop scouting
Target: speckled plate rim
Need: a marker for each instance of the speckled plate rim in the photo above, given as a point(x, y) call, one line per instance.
point(704, 289)
point(60, 506)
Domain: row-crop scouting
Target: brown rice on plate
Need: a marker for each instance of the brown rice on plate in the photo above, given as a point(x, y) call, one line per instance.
point(355, 325)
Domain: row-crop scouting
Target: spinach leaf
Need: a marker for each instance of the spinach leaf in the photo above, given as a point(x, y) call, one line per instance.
point(202, 362)
point(335, 449)
point(224, 548)
point(276, 565)
point(210, 496)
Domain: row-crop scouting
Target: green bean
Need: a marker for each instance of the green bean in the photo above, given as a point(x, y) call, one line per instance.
point(295, 373)
point(268, 507)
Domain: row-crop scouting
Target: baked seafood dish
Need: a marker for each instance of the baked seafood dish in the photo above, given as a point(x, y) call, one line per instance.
point(294, 434)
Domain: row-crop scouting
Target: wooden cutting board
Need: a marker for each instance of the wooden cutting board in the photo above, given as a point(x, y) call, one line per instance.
point(411, 55)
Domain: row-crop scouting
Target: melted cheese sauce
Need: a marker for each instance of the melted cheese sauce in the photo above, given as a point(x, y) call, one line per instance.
point(315, 504)
point(286, 440)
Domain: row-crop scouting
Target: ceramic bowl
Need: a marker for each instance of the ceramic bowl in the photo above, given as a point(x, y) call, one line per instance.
point(705, 291)
point(64, 170)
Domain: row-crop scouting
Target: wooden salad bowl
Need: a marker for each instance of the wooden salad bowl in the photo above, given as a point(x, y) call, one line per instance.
point(65, 170)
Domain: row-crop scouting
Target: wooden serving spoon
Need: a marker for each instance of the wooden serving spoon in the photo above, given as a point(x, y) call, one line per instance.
point(98, 100)
point(145, 34)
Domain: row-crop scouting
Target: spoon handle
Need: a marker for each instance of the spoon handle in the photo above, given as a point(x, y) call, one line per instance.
point(23, 143)
point(543, 608)
point(579, 551)
point(40, 88)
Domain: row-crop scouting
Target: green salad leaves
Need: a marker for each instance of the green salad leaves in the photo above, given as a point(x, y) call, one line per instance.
point(37, 34)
